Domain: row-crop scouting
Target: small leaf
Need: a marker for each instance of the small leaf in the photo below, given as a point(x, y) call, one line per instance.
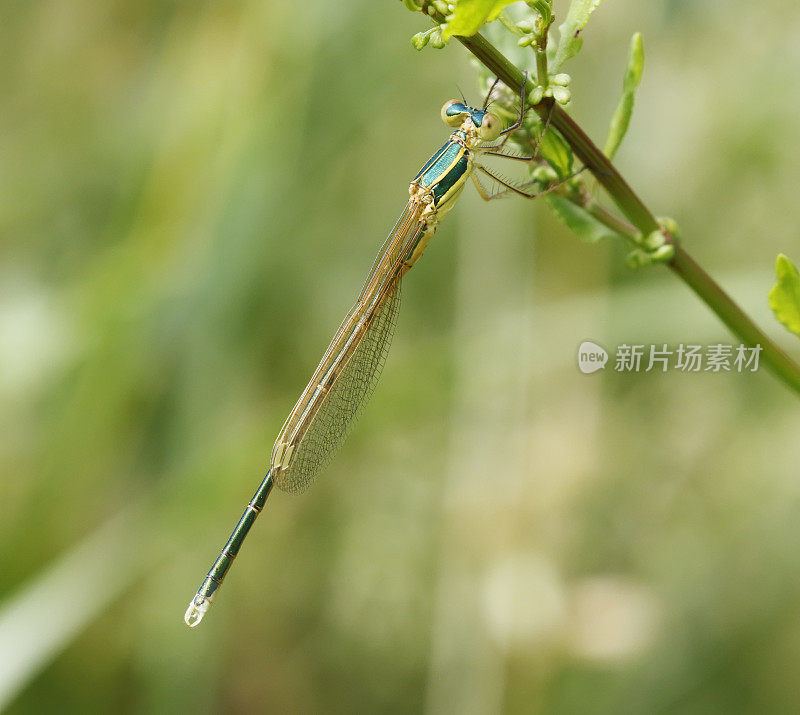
point(579, 220)
point(570, 40)
point(544, 9)
point(622, 114)
point(784, 298)
point(470, 15)
point(555, 150)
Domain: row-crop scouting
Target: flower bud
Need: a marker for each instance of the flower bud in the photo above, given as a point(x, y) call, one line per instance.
point(561, 94)
point(420, 40)
point(664, 254)
point(437, 40)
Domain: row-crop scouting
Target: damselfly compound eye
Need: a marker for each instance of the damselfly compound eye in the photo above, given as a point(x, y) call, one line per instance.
point(454, 112)
point(490, 127)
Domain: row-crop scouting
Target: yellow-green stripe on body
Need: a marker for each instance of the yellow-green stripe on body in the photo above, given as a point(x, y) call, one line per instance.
point(442, 179)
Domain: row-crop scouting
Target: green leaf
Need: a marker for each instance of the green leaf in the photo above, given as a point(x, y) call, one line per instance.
point(784, 298)
point(548, 143)
point(622, 114)
point(544, 8)
point(579, 220)
point(555, 150)
point(470, 15)
point(570, 40)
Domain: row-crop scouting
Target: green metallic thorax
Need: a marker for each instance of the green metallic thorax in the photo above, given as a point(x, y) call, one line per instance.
point(440, 181)
point(445, 172)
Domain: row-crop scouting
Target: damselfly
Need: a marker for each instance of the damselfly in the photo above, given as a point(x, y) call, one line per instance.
point(352, 363)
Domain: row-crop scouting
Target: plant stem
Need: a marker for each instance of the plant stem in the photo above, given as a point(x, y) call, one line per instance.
point(712, 295)
point(734, 317)
point(583, 147)
point(618, 225)
point(642, 219)
point(541, 60)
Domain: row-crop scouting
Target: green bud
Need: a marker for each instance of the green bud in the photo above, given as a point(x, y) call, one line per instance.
point(525, 40)
point(561, 94)
point(537, 94)
point(413, 5)
point(436, 40)
point(637, 258)
point(664, 254)
point(561, 79)
point(526, 25)
point(654, 241)
point(544, 174)
point(442, 7)
point(670, 225)
point(420, 40)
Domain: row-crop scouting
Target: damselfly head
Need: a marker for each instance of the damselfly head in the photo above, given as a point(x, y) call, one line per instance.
point(490, 127)
point(487, 125)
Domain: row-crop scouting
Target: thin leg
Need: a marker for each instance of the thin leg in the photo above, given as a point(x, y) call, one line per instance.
point(515, 157)
point(482, 192)
point(486, 195)
point(497, 150)
point(516, 125)
point(489, 93)
point(515, 189)
point(486, 148)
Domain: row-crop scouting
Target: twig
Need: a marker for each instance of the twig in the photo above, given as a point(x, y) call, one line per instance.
point(642, 219)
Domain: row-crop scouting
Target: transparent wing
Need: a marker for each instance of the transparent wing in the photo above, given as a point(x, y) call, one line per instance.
point(350, 367)
point(345, 398)
point(392, 248)
point(382, 268)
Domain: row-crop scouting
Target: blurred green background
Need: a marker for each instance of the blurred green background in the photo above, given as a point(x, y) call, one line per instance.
point(190, 196)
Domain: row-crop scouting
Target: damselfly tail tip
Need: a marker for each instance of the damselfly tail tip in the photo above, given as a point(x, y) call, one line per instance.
point(197, 609)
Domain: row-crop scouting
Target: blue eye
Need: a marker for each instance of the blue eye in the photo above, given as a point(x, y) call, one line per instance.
point(454, 112)
point(453, 109)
